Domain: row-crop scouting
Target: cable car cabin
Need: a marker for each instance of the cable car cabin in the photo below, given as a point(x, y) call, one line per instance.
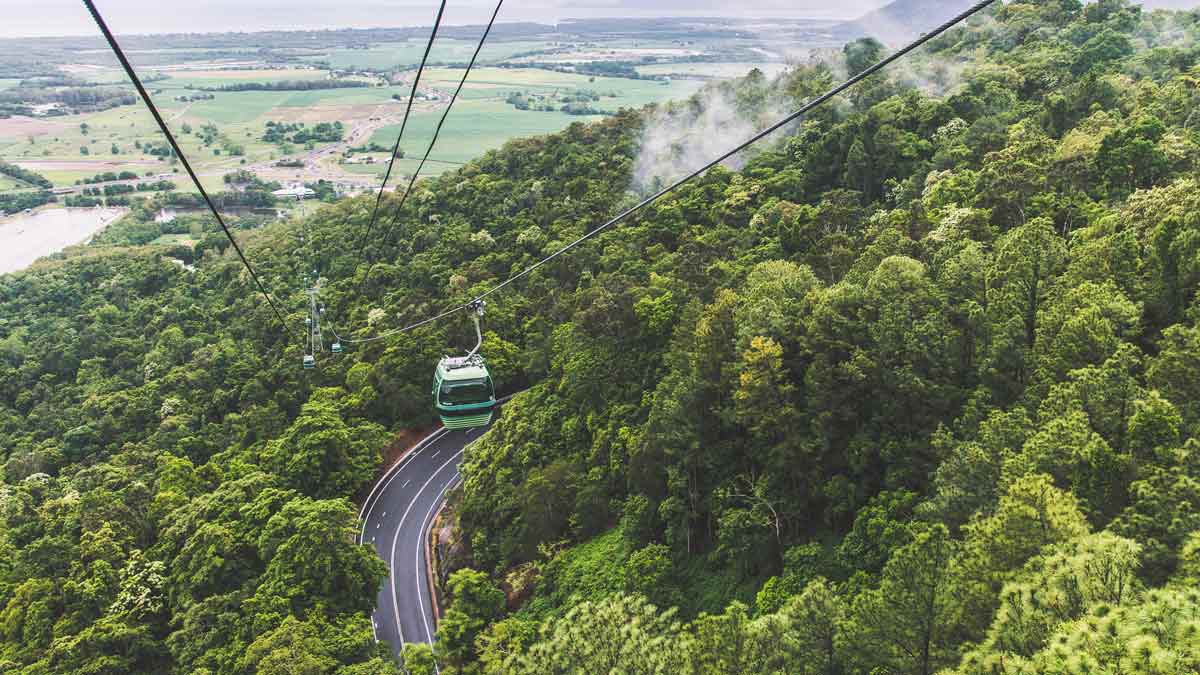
point(309, 362)
point(463, 392)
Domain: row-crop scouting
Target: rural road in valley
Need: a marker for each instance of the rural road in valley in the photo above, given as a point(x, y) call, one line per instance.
point(396, 518)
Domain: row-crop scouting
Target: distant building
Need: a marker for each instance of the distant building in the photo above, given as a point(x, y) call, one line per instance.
point(296, 192)
point(44, 109)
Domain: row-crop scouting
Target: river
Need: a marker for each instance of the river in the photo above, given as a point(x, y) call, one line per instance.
point(25, 237)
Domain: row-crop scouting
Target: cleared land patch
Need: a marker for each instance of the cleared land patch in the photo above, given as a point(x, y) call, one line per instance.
point(712, 70)
point(224, 133)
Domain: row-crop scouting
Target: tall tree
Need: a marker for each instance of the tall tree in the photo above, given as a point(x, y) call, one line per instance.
point(906, 625)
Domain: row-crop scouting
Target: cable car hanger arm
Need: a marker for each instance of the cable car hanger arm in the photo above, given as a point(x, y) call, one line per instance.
point(477, 305)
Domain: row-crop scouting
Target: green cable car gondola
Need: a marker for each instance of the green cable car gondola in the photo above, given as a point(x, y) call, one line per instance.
point(463, 391)
point(309, 362)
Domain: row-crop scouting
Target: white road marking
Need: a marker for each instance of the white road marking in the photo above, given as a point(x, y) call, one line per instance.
point(406, 483)
point(425, 524)
point(364, 513)
point(396, 538)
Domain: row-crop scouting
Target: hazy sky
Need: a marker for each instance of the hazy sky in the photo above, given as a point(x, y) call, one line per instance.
point(69, 17)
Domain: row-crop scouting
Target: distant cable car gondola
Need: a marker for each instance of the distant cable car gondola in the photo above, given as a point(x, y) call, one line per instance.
point(336, 347)
point(309, 362)
point(463, 391)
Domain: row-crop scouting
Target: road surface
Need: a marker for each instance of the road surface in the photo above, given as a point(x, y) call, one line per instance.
point(396, 517)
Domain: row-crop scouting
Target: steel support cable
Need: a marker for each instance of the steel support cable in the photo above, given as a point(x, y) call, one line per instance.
point(804, 110)
point(397, 331)
point(438, 129)
point(429, 150)
point(412, 95)
point(141, 89)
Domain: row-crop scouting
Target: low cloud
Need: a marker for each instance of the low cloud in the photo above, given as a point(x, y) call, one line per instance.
point(677, 139)
point(154, 16)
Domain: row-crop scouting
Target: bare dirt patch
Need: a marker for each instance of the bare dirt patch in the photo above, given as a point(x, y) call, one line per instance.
point(20, 127)
point(335, 113)
point(401, 443)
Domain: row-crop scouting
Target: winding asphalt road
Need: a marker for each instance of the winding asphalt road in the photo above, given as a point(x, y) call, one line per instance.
point(396, 517)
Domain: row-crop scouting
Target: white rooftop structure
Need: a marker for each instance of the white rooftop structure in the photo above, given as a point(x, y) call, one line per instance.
point(295, 192)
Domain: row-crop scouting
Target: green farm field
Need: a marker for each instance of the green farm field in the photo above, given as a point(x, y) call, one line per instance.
point(481, 121)
point(54, 147)
point(98, 73)
point(69, 149)
point(615, 92)
point(216, 78)
point(473, 128)
point(176, 239)
point(7, 183)
point(248, 106)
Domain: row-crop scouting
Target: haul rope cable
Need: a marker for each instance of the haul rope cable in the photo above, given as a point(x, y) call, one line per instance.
point(436, 133)
point(412, 95)
point(438, 129)
point(805, 109)
point(137, 83)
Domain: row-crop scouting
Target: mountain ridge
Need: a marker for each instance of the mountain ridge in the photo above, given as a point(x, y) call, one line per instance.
point(902, 20)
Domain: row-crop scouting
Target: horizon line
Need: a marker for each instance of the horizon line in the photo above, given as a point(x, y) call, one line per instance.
point(553, 25)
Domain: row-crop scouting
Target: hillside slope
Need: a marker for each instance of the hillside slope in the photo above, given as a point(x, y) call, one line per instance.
point(902, 20)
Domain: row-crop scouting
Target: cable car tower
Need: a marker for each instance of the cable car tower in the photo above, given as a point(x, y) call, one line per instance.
point(316, 343)
point(317, 310)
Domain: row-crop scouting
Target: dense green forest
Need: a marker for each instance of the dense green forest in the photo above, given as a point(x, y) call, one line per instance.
point(915, 390)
